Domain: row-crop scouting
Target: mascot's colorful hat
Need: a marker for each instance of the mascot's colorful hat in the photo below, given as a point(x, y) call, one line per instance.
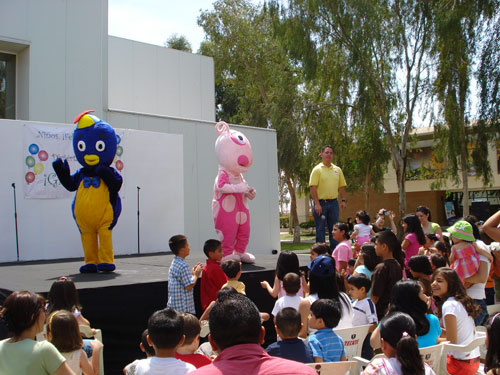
point(462, 230)
point(84, 120)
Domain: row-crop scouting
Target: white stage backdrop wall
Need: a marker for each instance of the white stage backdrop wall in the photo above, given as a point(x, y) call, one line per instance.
point(46, 229)
point(200, 169)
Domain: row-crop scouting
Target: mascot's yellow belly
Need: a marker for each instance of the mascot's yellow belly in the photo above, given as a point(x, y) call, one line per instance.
point(92, 207)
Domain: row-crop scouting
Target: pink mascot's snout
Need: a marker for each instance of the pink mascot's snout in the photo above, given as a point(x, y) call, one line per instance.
point(231, 192)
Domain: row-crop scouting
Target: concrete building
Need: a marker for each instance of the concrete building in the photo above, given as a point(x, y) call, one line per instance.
point(59, 61)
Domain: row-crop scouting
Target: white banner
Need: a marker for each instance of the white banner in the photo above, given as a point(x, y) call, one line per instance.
point(42, 145)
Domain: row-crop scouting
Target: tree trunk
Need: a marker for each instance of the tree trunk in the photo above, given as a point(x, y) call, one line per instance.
point(367, 190)
point(465, 179)
point(294, 217)
point(401, 180)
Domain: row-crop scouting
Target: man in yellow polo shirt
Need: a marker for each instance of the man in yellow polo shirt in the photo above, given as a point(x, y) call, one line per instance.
point(327, 182)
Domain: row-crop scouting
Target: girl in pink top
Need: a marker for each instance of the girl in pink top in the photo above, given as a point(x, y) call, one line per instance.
point(414, 237)
point(464, 258)
point(362, 230)
point(342, 252)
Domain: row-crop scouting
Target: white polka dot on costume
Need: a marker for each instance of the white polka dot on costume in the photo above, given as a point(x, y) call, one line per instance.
point(241, 218)
point(220, 234)
point(245, 202)
point(215, 208)
point(228, 203)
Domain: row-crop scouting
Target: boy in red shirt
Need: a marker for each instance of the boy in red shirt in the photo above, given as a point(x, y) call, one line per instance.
point(212, 277)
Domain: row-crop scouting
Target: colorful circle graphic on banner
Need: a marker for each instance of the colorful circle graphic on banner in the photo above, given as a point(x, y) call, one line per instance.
point(118, 139)
point(119, 165)
point(38, 168)
point(119, 150)
point(43, 155)
point(30, 161)
point(33, 149)
point(30, 177)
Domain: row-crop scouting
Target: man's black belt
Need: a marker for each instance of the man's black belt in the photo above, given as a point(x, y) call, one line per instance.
point(327, 200)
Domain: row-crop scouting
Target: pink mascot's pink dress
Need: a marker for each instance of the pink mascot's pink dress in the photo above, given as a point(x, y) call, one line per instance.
point(231, 191)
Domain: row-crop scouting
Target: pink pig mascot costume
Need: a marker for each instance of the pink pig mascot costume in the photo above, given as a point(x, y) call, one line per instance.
point(230, 206)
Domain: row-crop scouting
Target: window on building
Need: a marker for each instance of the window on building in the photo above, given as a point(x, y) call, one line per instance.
point(7, 86)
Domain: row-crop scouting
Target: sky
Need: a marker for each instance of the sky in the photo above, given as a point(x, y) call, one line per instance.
point(154, 21)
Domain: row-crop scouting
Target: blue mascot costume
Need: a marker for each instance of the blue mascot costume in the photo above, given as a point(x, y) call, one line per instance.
point(97, 205)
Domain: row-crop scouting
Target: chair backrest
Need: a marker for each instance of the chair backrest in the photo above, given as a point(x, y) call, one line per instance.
point(353, 339)
point(88, 332)
point(334, 368)
point(361, 363)
point(432, 356)
point(479, 339)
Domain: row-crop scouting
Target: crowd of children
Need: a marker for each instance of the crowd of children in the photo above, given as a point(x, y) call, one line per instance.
point(412, 294)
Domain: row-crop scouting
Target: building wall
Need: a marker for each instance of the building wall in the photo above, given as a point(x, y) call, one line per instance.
point(61, 49)
point(390, 201)
point(475, 183)
point(150, 79)
point(200, 170)
point(62, 54)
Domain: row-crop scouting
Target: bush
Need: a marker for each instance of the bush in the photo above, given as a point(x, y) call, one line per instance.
point(307, 224)
point(284, 221)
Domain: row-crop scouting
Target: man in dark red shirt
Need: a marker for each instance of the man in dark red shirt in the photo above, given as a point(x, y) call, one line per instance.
point(236, 333)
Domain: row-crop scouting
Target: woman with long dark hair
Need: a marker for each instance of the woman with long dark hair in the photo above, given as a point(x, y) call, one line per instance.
point(457, 311)
point(408, 296)
point(424, 216)
point(323, 285)
point(414, 237)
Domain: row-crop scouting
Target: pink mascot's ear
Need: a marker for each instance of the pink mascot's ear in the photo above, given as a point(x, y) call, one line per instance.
point(222, 127)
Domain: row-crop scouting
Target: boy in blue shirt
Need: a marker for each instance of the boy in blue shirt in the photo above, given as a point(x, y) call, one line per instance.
point(325, 344)
point(288, 326)
point(181, 279)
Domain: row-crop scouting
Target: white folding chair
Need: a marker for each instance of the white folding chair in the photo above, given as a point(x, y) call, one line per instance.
point(88, 332)
point(432, 356)
point(478, 340)
point(334, 368)
point(353, 338)
point(361, 362)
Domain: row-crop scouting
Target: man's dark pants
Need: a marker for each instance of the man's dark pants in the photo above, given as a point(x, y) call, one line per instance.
point(330, 216)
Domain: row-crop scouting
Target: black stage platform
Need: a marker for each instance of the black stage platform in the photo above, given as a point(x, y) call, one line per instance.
point(120, 303)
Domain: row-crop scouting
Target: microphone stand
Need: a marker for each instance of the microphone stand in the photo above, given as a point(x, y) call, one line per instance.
point(15, 219)
point(138, 224)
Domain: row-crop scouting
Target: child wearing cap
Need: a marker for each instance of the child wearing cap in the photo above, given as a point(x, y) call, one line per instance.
point(464, 258)
point(323, 285)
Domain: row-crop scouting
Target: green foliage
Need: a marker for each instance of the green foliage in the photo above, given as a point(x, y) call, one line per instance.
point(458, 32)
point(256, 83)
point(354, 54)
point(308, 224)
point(179, 42)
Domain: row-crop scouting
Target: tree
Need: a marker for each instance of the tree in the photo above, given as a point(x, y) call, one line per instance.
point(368, 55)
point(455, 47)
point(180, 43)
point(489, 75)
point(256, 82)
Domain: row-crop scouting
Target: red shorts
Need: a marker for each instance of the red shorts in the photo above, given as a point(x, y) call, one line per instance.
point(462, 367)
